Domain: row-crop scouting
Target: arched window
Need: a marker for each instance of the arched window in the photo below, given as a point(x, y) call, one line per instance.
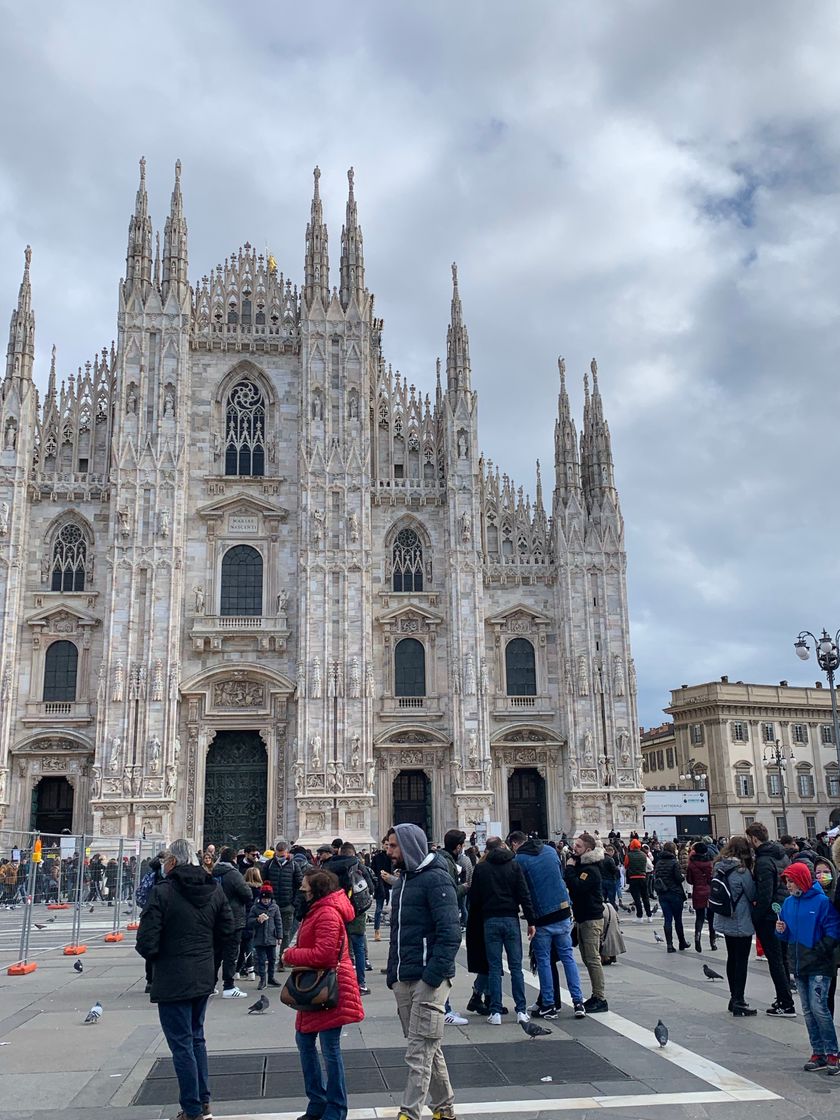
point(69, 557)
point(409, 668)
point(408, 561)
point(242, 581)
point(245, 430)
point(60, 667)
point(520, 668)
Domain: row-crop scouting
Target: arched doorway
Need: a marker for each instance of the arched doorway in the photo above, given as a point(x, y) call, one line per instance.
point(413, 799)
point(235, 789)
point(52, 806)
point(526, 802)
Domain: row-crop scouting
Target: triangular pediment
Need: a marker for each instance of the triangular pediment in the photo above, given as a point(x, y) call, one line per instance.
point(241, 503)
point(516, 613)
point(61, 615)
point(411, 610)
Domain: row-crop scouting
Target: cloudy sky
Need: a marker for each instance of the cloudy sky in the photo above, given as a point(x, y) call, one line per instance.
point(652, 183)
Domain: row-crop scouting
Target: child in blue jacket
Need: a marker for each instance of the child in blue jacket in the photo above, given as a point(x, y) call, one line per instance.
point(811, 927)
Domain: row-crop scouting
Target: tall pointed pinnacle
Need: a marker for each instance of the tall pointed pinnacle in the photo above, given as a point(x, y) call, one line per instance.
point(138, 259)
point(316, 268)
point(20, 356)
point(175, 259)
point(566, 462)
point(596, 447)
point(457, 343)
point(352, 254)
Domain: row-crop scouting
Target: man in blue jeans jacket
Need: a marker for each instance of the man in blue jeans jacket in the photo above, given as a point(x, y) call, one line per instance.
point(553, 921)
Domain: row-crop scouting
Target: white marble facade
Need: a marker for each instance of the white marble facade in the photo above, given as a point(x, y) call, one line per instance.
point(120, 480)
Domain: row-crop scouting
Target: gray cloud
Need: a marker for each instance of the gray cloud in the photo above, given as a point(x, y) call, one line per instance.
point(651, 183)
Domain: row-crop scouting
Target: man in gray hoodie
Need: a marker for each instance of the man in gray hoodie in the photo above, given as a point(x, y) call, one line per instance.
point(425, 938)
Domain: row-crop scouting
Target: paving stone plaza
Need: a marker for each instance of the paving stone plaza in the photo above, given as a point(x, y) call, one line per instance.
point(51, 1065)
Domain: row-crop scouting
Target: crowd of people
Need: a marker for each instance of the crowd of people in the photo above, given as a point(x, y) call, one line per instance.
point(252, 915)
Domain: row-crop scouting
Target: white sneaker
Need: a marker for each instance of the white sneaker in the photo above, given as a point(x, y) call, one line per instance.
point(638, 919)
point(236, 976)
point(650, 919)
point(233, 993)
point(495, 1020)
point(523, 1017)
point(454, 1019)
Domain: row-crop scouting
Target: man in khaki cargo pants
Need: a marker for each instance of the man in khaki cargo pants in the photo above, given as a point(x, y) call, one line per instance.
point(425, 937)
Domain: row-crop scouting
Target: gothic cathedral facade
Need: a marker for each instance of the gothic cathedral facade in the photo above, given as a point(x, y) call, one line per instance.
point(254, 582)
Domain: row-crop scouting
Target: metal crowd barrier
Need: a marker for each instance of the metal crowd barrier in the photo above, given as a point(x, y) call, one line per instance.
point(64, 893)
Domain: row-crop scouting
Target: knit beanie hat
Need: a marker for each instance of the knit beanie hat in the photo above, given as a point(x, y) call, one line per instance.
point(267, 888)
point(800, 873)
point(635, 845)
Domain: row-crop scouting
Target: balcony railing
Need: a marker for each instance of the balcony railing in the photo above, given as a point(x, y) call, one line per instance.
point(57, 711)
point(213, 630)
point(533, 705)
point(419, 706)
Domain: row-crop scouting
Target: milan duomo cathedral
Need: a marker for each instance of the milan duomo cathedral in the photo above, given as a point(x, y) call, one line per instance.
point(253, 581)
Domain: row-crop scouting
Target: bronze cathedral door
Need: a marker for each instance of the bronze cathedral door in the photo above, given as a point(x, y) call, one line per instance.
point(235, 790)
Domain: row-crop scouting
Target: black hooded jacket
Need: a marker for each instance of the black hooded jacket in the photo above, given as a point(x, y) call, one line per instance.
point(237, 892)
point(770, 860)
point(499, 887)
point(183, 927)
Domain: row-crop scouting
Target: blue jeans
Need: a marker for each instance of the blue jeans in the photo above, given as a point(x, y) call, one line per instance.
point(329, 1103)
point(559, 935)
point(503, 933)
point(183, 1025)
point(813, 991)
point(357, 942)
point(379, 906)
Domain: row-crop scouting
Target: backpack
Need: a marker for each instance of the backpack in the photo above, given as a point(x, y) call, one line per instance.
point(720, 896)
point(360, 893)
point(143, 887)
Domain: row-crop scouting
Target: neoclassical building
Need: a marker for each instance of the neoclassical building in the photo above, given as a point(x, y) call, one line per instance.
point(254, 581)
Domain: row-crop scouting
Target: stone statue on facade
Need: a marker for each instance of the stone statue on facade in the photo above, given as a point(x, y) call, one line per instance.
point(126, 782)
point(588, 749)
point(463, 445)
point(355, 752)
point(168, 405)
point(466, 528)
point(114, 755)
point(299, 778)
point(353, 527)
point(282, 601)
point(4, 518)
point(472, 750)
point(4, 775)
point(131, 401)
point(371, 774)
point(624, 747)
point(176, 750)
point(315, 751)
point(163, 523)
point(123, 522)
point(457, 777)
point(11, 436)
point(198, 598)
point(171, 784)
point(482, 677)
point(154, 755)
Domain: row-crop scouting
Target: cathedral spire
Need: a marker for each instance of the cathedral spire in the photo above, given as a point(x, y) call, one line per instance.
point(138, 259)
point(20, 356)
point(316, 268)
point(596, 447)
point(352, 255)
point(457, 343)
point(175, 261)
point(566, 462)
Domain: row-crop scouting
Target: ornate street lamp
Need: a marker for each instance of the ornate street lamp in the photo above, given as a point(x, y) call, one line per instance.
point(778, 758)
point(828, 658)
point(694, 774)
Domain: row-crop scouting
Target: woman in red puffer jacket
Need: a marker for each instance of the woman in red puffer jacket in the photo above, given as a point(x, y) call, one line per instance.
point(322, 943)
point(699, 873)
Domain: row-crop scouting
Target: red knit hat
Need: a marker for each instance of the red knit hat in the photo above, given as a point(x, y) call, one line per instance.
point(266, 888)
point(800, 873)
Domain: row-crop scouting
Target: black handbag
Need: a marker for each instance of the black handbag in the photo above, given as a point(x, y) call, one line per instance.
point(312, 989)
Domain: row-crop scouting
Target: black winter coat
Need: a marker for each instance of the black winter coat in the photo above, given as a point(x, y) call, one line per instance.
point(583, 878)
point(285, 880)
point(381, 861)
point(425, 925)
point(237, 892)
point(668, 876)
point(499, 887)
point(769, 861)
point(183, 927)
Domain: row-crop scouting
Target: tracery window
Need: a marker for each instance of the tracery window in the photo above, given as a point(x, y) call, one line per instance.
point(245, 430)
point(408, 561)
point(69, 559)
point(60, 667)
point(242, 581)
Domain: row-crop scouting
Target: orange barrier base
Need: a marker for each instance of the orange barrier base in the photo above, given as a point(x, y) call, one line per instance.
point(132, 925)
point(74, 950)
point(58, 905)
point(21, 969)
point(118, 936)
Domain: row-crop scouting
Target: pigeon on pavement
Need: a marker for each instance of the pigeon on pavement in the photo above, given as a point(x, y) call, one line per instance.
point(78, 966)
point(661, 1032)
point(710, 973)
point(91, 910)
point(40, 925)
point(95, 1013)
point(534, 1030)
point(656, 937)
point(258, 1007)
